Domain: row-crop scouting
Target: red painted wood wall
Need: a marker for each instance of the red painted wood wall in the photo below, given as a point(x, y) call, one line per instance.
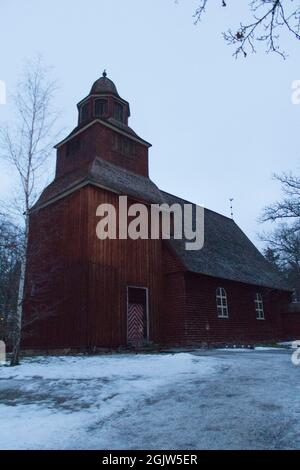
point(77, 283)
point(77, 286)
point(190, 312)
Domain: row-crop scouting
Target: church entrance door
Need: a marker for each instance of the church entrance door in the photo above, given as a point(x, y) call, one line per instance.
point(137, 316)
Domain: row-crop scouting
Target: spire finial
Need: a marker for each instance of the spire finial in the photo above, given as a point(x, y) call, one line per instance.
point(104, 74)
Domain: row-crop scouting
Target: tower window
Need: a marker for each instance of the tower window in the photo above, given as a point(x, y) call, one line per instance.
point(100, 108)
point(84, 112)
point(222, 306)
point(118, 112)
point(74, 146)
point(123, 145)
point(259, 307)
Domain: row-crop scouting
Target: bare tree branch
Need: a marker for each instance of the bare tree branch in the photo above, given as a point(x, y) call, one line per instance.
point(26, 148)
point(270, 19)
point(289, 207)
point(283, 250)
point(283, 244)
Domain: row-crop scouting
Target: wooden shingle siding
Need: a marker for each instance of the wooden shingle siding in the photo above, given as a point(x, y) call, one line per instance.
point(114, 265)
point(56, 281)
point(241, 326)
point(91, 299)
point(97, 141)
point(291, 326)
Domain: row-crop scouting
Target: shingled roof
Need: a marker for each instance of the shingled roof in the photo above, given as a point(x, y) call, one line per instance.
point(106, 121)
point(124, 181)
point(106, 175)
point(227, 251)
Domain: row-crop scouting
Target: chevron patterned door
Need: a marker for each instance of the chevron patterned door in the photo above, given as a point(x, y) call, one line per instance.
point(136, 316)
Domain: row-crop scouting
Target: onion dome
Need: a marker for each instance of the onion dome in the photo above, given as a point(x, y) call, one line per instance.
point(103, 86)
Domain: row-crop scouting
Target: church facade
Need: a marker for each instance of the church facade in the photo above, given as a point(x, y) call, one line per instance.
point(85, 293)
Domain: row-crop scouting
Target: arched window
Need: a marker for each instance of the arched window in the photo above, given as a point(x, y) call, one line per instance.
point(295, 296)
point(259, 306)
point(100, 108)
point(84, 112)
point(222, 305)
point(118, 112)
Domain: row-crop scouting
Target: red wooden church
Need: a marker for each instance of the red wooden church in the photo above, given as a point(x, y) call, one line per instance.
point(86, 293)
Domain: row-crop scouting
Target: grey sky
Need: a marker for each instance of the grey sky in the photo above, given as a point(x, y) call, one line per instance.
point(219, 127)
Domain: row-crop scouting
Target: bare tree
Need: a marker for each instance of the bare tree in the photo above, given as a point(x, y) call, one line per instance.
point(270, 19)
point(26, 148)
point(283, 243)
point(283, 250)
point(289, 207)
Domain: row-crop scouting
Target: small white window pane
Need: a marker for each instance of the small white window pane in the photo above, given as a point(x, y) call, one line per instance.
point(259, 306)
point(221, 300)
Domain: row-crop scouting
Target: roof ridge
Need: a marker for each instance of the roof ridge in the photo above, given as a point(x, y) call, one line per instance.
point(125, 170)
point(126, 130)
point(195, 204)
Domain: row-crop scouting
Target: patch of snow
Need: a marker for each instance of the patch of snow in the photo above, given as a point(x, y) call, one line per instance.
point(57, 399)
point(290, 344)
point(236, 349)
point(256, 348)
point(121, 365)
point(198, 400)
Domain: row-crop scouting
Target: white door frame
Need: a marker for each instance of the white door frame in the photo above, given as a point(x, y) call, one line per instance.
point(147, 308)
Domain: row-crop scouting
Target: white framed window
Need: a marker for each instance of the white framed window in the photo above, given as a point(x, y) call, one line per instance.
point(222, 305)
point(295, 296)
point(259, 306)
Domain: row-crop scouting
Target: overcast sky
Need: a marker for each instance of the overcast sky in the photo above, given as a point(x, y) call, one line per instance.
point(219, 127)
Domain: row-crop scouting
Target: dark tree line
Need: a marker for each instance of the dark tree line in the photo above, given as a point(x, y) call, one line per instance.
point(269, 20)
point(10, 262)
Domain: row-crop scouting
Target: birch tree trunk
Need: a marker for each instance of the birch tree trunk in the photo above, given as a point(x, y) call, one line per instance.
point(15, 357)
point(27, 147)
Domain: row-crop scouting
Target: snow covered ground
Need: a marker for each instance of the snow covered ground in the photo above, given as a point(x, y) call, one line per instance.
point(199, 400)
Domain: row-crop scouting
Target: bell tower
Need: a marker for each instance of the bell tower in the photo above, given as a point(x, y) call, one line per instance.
point(103, 102)
point(102, 131)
